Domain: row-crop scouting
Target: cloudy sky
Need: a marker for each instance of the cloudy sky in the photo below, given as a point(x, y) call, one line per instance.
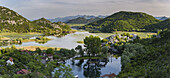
point(34, 9)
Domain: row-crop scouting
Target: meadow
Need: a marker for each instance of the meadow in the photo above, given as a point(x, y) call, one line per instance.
point(19, 35)
point(72, 25)
point(142, 35)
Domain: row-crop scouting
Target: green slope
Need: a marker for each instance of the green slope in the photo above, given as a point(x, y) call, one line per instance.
point(161, 25)
point(150, 61)
point(123, 21)
point(47, 25)
point(10, 21)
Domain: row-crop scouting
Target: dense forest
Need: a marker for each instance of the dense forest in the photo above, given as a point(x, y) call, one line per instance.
point(146, 58)
point(33, 63)
point(122, 21)
point(11, 21)
point(159, 26)
point(49, 26)
point(82, 20)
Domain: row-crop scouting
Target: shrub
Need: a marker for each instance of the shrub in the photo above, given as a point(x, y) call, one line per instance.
point(50, 51)
point(104, 40)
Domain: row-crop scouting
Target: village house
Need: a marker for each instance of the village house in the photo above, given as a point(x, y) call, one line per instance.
point(109, 76)
point(26, 52)
point(10, 61)
point(46, 57)
point(134, 36)
point(44, 54)
point(50, 57)
point(23, 71)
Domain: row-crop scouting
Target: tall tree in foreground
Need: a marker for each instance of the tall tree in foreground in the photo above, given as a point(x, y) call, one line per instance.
point(92, 44)
point(80, 49)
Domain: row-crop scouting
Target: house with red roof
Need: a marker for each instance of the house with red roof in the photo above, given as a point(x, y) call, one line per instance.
point(23, 71)
point(109, 76)
point(10, 61)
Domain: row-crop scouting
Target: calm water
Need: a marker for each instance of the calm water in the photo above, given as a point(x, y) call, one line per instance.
point(69, 41)
point(85, 70)
point(80, 67)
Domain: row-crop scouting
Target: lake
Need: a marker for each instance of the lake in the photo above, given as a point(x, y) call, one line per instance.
point(69, 41)
point(80, 67)
point(85, 70)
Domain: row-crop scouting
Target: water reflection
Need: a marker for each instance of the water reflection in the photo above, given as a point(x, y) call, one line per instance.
point(94, 68)
point(79, 64)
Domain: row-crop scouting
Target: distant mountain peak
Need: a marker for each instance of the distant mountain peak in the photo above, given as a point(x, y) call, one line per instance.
point(66, 19)
point(162, 18)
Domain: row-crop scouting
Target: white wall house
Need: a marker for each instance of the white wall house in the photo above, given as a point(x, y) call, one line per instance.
point(10, 61)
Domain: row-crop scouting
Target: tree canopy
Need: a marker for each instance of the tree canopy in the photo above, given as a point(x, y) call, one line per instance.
point(93, 44)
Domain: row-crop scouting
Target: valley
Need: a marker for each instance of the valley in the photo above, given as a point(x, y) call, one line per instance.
point(122, 45)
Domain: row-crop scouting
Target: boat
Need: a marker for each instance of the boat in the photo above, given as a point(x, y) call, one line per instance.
point(76, 76)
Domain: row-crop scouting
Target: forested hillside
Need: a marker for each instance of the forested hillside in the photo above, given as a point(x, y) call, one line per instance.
point(159, 26)
point(140, 60)
point(123, 21)
point(11, 21)
point(47, 27)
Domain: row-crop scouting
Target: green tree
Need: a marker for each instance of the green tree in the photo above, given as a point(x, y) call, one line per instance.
point(105, 49)
point(38, 50)
point(50, 51)
point(63, 72)
point(80, 49)
point(3, 50)
point(93, 45)
point(13, 47)
point(131, 50)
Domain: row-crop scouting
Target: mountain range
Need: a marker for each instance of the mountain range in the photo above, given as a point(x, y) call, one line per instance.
point(11, 21)
point(68, 18)
point(82, 20)
point(162, 18)
point(122, 21)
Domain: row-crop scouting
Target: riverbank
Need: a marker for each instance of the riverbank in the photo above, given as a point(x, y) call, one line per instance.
point(14, 35)
point(142, 35)
point(33, 48)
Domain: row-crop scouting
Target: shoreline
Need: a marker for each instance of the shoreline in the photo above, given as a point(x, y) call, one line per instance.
point(33, 48)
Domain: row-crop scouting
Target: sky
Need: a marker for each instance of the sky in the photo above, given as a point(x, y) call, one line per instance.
point(35, 9)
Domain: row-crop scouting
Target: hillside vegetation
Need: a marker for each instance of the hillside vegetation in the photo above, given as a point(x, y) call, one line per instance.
point(11, 21)
point(122, 21)
point(140, 60)
point(49, 26)
point(159, 26)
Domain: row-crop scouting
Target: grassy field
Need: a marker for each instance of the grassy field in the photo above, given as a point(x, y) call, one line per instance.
point(71, 25)
point(140, 34)
point(33, 48)
point(81, 42)
point(19, 35)
point(4, 38)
